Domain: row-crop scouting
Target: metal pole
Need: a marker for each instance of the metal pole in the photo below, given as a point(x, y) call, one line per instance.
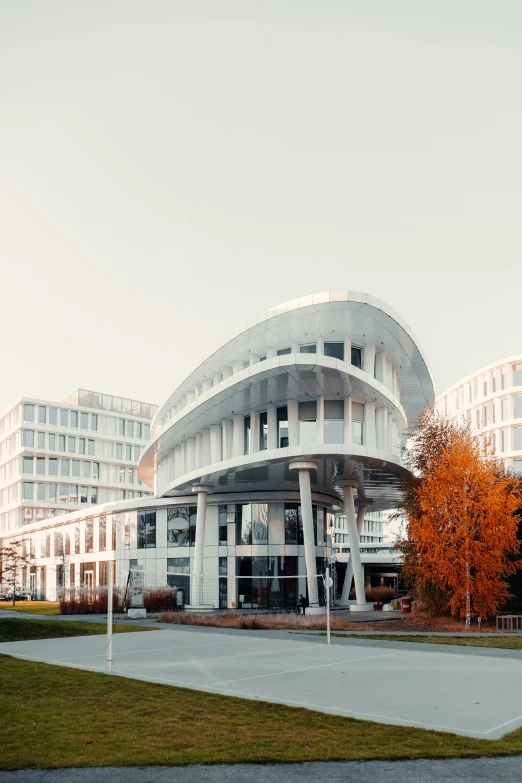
point(109, 617)
point(327, 587)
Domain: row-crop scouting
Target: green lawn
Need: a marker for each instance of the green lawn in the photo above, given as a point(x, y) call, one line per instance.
point(503, 642)
point(51, 716)
point(32, 607)
point(20, 630)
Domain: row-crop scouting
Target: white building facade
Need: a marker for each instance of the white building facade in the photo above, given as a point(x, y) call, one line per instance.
point(491, 400)
point(298, 416)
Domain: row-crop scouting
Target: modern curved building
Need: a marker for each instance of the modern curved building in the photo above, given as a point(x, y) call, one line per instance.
point(491, 400)
point(300, 414)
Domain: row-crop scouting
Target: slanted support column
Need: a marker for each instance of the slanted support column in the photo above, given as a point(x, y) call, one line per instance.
point(304, 468)
point(347, 584)
point(355, 552)
point(202, 490)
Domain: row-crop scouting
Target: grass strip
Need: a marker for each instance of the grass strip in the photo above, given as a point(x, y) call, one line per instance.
point(21, 630)
point(51, 716)
point(501, 642)
point(32, 607)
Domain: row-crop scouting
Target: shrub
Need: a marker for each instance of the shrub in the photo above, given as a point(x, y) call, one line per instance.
point(372, 594)
point(83, 600)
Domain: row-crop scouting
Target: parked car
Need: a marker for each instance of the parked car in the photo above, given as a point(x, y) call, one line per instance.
point(17, 595)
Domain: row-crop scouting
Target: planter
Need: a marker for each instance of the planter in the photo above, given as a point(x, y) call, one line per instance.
point(377, 605)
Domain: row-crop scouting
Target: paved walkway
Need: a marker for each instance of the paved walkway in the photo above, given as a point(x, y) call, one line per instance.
point(482, 770)
point(460, 690)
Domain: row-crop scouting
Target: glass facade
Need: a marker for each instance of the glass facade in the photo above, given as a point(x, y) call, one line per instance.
point(335, 350)
point(181, 526)
point(146, 529)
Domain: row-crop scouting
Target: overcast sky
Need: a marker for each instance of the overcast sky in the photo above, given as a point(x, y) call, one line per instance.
point(168, 169)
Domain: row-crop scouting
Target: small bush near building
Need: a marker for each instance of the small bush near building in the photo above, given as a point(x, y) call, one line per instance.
point(83, 600)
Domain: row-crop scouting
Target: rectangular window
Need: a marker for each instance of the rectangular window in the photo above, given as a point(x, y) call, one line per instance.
point(263, 430)
point(517, 439)
point(121, 426)
point(146, 529)
point(42, 414)
point(136, 453)
point(102, 534)
point(181, 526)
point(485, 416)
point(52, 491)
point(130, 429)
point(51, 441)
point(28, 490)
point(58, 543)
point(505, 409)
point(40, 491)
point(90, 447)
point(334, 421)
point(294, 523)
point(224, 519)
point(29, 438)
point(53, 466)
point(64, 493)
point(64, 418)
point(28, 412)
point(84, 497)
point(71, 444)
point(284, 351)
point(96, 470)
point(73, 493)
point(138, 429)
point(358, 423)
point(307, 422)
point(503, 383)
point(53, 415)
point(146, 431)
point(61, 442)
point(81, 445)
point(517, 406)
point(119, 451)
point(178, 565)
point(84, 421)
point(130, 475)
point(517, 375)
point(308, 348)
point(252, 523)
point(335, 350)
point(74, 419)
point(128, 452)
point(356, 356)
point(40, 441)
point(40, 466)
point(246, 435)
point(75, 464)
point(94, 422)
point(89, 535)
point(28, 465)
point(64, 467)
point(86, 469)
point(282, 427)
point(262, 358)
point(494, 384)
point(94, 495)
point(505, 446)
point(517, 467)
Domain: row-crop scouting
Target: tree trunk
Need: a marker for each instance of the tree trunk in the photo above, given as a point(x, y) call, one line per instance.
point(468, 592)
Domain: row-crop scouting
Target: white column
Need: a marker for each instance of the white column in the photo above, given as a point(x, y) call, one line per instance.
point(382, 428)
point(355, 552)
point(369, 439)
point(293, 422)
point(227, 372)
point(369, 360)
point(238, 436)
point(205, 447)
point(237, 367)
point(199, 449)
point(348, 350)
point(348, 421)
point(320, 420)
point(271, 418)
point(190, 454)
point(347, 584)
point(216, 378)
point(197, 597)
point(380, 360)
point(206, 385)
point(215, 443)
point(305, 491)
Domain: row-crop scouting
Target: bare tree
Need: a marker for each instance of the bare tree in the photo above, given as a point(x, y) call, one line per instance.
point(12, 559)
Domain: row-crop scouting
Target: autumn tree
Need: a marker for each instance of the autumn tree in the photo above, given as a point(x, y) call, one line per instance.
point(461, 525)
point(13, 558)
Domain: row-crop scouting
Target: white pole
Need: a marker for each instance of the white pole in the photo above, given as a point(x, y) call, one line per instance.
point(327, 587)
point(109, 618)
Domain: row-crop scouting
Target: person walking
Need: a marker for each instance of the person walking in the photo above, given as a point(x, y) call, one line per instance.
point(302, 603)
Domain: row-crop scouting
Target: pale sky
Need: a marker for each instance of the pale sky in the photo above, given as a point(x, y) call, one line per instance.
point(168, 169)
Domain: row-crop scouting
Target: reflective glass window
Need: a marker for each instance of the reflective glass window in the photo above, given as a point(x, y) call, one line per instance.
point(40, 491)
point(503, 383)
point(53, 466)
point(42, 414)
point(181, 526)
point(52, 491)
point(308, 348)
point(84, 498)
point(73, 493)
point(517, 375)
point(356, 356)
point(334, 421)
point(307, 422)
point(94, 422)
point(28, 490)
point(86, 469)
point(89, 535)
point(128, 452)
point(53, 416)
point(28, 466)
point(136, 453)
point(517, 439)
point(51, 441)
point(294, 523)
point(90, 447)
point(64, 467)
point(505, 409)
point(146, 431)
point(94, 495)
point(74, 419)
point(102, 534)
point(121, 426)
point(517, 406)
point(84, 420)
point(505, 438)
point(130, 429)
point(40, 466)
point(284, 351)
point(246, 435)
point(282, 427)
point(262, 358)
point(494, 384)
point(178, 565)
point(75, 467)
point(28, 437)
point(263, 430)
point(61, 442)
point(517, 467)
point(96, 470)
point(335, 350)
point(41, 440)
point(119, 451)
point(71, 444)
point(64, 417)
point(81, 445)
point(358, 423)
point(28, 412)
point(146, 529)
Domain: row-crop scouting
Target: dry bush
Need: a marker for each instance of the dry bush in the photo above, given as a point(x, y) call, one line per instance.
point(82, 600)
point(258, 621)
point(372, 594)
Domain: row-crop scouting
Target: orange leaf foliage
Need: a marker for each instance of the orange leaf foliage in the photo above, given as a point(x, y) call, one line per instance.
point(461, 524)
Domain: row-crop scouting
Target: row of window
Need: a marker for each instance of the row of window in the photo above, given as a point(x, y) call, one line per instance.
point(473, 388)
point(333, 349)
point(74, 445)
point(504, 441)
point(62, 493)
point(44, 414)
point(52, 466)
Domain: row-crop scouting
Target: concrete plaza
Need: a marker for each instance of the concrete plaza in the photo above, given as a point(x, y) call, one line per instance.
point(463, 691)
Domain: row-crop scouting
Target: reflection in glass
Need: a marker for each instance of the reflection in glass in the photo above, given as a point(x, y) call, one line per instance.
point(181, 526)
point(335, 350)
point(309, 348)
point(263, 431)
point(356, 356)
